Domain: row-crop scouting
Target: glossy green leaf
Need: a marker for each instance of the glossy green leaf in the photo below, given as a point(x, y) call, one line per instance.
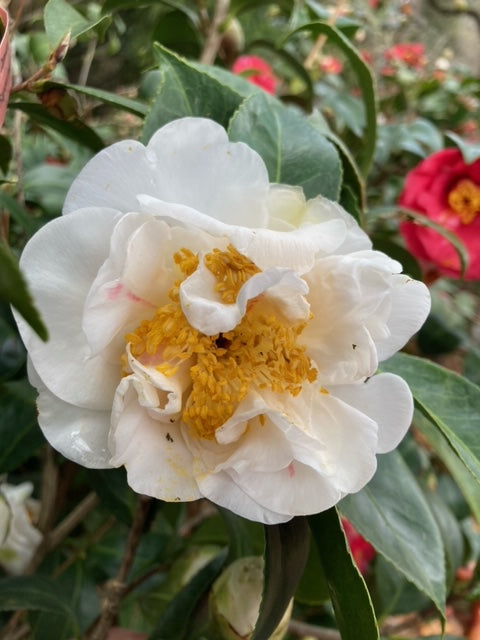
point(72, 129)
point(34, 593)
point(454, 240)
point(470, 151)
point(239, 535)
point(19, 431)
point(61, 18)
point(286, 553)
point(13, 290)
point(392, 514)
point(313, 587)
point(451, 402)
point(366, 83)
point(294, 151)
point(350, 598)
point(106, 97)
point(186, 91)
point(443, 449)
point(175, 620)
point(113, 490)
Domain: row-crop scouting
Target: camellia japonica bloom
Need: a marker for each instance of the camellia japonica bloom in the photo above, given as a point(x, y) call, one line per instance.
point(446, 190)
point(214, 333)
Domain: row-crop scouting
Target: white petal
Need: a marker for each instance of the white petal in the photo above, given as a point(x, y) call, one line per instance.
point(410, 300)
point(294, 249)
point(189, 161)
point(386, 398)
point(79, 434)
point(154, 454)
point(60, 263)
point(205, 312)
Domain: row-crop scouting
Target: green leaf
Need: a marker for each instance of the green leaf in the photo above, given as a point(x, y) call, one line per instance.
point(106, 97)
point(294, 151)
point(313, 587)
point(348, 592)
point(113, 490)
point(392, 514)
point(186, 91)
point(454, 240)
point(365, 80)
point(34, 593)
point(469, 150)
point(5, 153)
point(460, 473)
point(60, 18)
point(72, 129)
point(451, 402)
point(239, 535)
point(12, 351)
point(19, 431)
point(19, 214)
point(13, 290)
point(174, 622)
point(286, 553)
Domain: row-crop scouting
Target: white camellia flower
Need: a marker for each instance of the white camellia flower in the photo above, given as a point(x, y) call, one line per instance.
point(216, 334)
point(19, 538)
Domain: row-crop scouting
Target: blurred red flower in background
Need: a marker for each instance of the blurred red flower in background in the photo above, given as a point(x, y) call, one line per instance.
point(257, 71)
point(408, 54)
point(361, 550)
point(446, 190)
point(330, 64)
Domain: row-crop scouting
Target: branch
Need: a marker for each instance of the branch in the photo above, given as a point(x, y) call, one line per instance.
point(301, 629)
point(214, 35)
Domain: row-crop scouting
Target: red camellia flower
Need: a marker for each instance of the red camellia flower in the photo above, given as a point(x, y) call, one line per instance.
point(361, 550)
point(332, 65)
point(410, 53)
point(446, 190)
point(257, 71)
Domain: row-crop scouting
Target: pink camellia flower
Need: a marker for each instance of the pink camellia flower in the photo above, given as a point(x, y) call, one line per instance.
point(257, 71)
point(446, 190)
point(362, 551)
point(332, 65)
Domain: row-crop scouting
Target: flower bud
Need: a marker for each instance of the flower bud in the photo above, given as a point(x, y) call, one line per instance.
point(19, 538)
point(235, 601)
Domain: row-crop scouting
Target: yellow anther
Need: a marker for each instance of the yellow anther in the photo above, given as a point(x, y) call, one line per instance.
point(464, 200)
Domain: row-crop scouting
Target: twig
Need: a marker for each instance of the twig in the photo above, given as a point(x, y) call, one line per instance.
point(302, 629)
point(49, 490)
point(214, 35)
point(46, 70)
point(71, 521)
point(114, 589)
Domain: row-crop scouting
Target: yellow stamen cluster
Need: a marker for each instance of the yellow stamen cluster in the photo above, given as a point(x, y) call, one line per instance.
point(464, 199)
point(232, 270)
point(261, 351)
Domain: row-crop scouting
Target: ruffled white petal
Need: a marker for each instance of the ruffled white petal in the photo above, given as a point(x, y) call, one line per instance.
point(205, 312)
point(60, 263)
point(410, 306)
point(387, 399)
point(267, 248)
point(189, 161)
point(154, 454)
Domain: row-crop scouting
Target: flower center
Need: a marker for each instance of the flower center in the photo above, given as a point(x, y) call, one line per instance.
point(261, 351)
point(464, 199)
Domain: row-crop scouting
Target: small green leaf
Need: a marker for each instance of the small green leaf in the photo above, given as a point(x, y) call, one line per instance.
point(451, 402)
point(73, 129)
point(286, 553)
point(34, 593)
point(348, 592)
point(186, 91)
point(392, 514)
point(13, 290)
point(443, 449)
point(365, 80)
point(60, 18)
point(174, 622)
point(469, 150)
point(294, 151)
